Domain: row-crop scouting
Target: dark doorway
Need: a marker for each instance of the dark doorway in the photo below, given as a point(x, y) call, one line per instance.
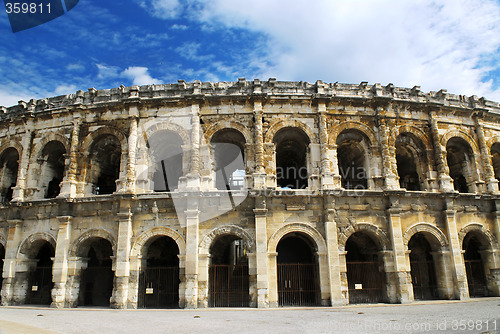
point(365, 270)
point(159, 280)
point(2, 259)
point(40, 279)
point(228, 147)
point(460, 157)
point(407, 157)
point(9, 164)
point(166, 154)
point(105, 155)
point(297, 272)
point(423, 269)
point(352, 162)
point(52, 168)
point(228, 273)
point(292, 146)
point(474, 266)
point(96, 285)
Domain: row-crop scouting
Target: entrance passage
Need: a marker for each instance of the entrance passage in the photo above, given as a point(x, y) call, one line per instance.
point(40, 279)
point(2, 258)
point(228, 273)
point(474, 267)
point(423, 269)
point(297, 272)
point(159, 281)
point(96, 285)
point(365, 273)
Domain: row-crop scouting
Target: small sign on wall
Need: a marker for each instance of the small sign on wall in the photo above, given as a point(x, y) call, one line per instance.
point(358, 286)
point(149, 291)
point(34, 288)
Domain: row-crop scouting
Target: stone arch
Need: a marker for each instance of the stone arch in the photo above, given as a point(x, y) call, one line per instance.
point(495, 139)
point(414, 131)
point(86, 237)
point(427, 229)
point(226, 230)
point(157, 231)
point(105, 130)
point(308, 230)
point(281, 124)
point(480, 229)
point(228, 124)
point(168, 126)
point(15, 144)
point(26, 247)
point(364, 129)
point(379, 236)
point(461, 134)
point(52, 136)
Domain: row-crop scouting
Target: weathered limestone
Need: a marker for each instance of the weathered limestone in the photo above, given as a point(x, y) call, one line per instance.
point(114, 194)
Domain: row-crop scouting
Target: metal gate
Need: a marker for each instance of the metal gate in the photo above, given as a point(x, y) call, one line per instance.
point(228, 285)
point(423, 279)
point(366, 282)
point(40, 286)
point(297, 284)
point(159, 287)
point(476, 278)
point(97, 286)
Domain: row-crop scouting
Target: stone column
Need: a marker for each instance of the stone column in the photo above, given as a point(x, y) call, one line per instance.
point(401, 269)
point(9, 267)
point(445, 181)
point(332, 244)
point(489, 173)
point(122, 272)
point(203, 279)
point(193, 178)
point(60, 265)
point(131, 160)
point(69, 184)
point(457, 260)
point(19, 189)
point(444, 273)
point(326, 173)
point(391, 180)
point(261, 257)
point(192, 241)
point(259, 178)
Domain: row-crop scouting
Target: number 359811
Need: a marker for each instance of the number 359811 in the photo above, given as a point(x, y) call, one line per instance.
point(27, 8)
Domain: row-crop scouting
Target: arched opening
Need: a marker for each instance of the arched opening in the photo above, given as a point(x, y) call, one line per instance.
point(51, 169)
point(298, 278)
point(423, 268)
point(352, 159)
point(166, 158)
point(407, 156)
point(365, 270)
point(228, 273)
point(96, 285)
point(159, 279)
point(9, 164)
point(475, 245)
point(460, 162)
point(40, 276)
point(228, 147)
point(292, 153)
point(104, 165)
point(495, 159)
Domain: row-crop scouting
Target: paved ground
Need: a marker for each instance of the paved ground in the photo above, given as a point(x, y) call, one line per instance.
point(473, 316)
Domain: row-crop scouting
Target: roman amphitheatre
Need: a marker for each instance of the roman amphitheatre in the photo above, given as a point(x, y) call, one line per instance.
point(249, 194)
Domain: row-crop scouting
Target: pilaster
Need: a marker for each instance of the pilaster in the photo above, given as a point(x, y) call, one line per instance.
point(69, 184)
point(131, 160)
point(401, 268)
point(60, 265)
point(458, 266)
point(332, 244)
point(10, 262)
point(261, 257)
point(259, 177)
point(390, 178)
point(19, 190)
point(445, 181)
point(486, 163)
point(192, 241)
point(119, 298)
point(326, 173)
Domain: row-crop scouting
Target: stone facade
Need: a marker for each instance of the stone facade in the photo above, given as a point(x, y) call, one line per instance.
point(359, 176)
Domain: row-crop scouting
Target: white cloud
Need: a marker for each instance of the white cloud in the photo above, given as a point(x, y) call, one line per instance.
point(139, 76)
point(65, 89)
point(107, 72)
point(9, 98)
point(190, 50)
point(432, 43)
point(165, 9)
point(179, 27)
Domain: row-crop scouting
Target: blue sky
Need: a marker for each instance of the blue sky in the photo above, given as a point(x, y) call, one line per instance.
point(453, 44)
